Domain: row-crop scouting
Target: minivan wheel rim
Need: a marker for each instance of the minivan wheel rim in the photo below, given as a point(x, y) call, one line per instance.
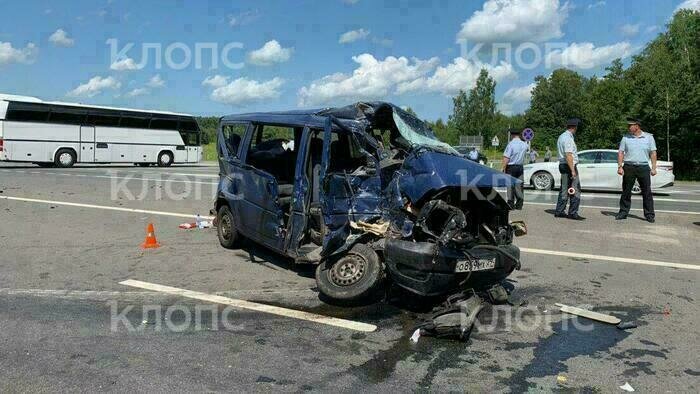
point(348, 271)
point(542, 181)
point(65, 158)
point(225, 227)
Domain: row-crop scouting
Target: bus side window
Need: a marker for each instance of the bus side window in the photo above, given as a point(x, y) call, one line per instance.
point(233, 135)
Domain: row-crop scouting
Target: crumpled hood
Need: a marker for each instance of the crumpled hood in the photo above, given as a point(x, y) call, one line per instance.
point(428, 171)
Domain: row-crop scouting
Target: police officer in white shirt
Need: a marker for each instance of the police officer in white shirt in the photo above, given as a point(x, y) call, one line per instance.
point(513, 158)
point(637, 149)
point(568, 159)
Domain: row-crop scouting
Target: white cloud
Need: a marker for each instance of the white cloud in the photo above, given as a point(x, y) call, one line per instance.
point(353, 35)
point(351, 2)
point(515, 21)
point(138, 92)
point(9, 54)
point(461, 74)
point(270, 53)
point(596, 5)
point(95, 86)
point(242, 91)
point(126, 64)
point(585, 55)
point(519, 94)
point(689, 4)
point(216, 81)
point(651, 29)
point(372, 79)
point(630, 30)
point(60, 39)
point(516, 99)
point(155, 82)
point(243, 18)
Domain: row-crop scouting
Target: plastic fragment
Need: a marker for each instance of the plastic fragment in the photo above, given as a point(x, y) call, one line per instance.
point(627, 387)
point(415, 336)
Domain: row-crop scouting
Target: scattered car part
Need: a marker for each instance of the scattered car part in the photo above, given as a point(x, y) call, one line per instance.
point(601, 317)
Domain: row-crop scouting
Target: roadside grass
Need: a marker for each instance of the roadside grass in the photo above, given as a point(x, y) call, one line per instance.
point(209, 151)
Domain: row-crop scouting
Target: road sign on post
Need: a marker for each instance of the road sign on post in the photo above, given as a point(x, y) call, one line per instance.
point(528, 134)
point(495, 142)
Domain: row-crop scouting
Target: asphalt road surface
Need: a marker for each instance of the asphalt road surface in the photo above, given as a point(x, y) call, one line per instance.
point(68, 237)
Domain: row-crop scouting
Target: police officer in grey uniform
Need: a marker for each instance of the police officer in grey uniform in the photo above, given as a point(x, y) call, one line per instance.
point(637, 149)
point(568, 159)
point(513, 158)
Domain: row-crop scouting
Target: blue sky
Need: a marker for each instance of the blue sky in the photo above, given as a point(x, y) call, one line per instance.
point(310, 53)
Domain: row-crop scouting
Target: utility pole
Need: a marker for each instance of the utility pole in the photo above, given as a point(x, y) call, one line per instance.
point(668, 129)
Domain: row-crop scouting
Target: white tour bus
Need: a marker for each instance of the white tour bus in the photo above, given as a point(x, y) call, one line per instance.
point(62, 134)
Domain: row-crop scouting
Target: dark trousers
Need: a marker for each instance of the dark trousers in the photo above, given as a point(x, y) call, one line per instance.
point(515, 193)
point(568, 182)
point(642, 175)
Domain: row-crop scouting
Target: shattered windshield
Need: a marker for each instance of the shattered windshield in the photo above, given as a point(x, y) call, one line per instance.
point(417, 132)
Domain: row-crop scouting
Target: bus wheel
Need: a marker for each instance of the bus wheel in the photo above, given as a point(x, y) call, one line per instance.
point(64, 158)
point(165, 159)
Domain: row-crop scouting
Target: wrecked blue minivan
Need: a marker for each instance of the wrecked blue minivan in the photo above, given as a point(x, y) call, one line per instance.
point(368, 194)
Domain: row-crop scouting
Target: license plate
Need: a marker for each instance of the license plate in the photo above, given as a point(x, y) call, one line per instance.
point(475, 265)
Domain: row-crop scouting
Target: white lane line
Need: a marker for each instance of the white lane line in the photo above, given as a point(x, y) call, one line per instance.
point(106, 294)
point(610, 258)
point(105, 207)
point(133, 178)
point(243, 304)
point(594, 196)
point(181, 174)
point(614, 208)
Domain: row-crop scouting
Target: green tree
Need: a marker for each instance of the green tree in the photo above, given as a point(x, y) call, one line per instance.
point(664, 80)
point(554, 100)
point(475, 113)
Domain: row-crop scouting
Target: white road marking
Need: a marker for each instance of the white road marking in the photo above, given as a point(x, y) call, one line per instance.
point(615, 208)
point(105, 207)
point(105, 294)
point(133, 178)
point(243, 304)
point(610, 258)
point(184, 174)
point(594, 196)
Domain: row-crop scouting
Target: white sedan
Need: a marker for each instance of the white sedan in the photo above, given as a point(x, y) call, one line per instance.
point(597, 171)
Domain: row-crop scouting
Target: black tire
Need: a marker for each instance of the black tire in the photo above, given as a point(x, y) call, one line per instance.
point(64, 158)
point(546, 183)
point(354, 276)
point(165, 159)
point(45, 165)
point(225, 228)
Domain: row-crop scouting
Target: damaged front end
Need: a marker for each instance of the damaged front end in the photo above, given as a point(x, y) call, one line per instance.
point(438, 222)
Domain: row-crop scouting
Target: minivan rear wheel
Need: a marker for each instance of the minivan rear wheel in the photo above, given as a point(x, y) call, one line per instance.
point(354, 276)
point(225, 229)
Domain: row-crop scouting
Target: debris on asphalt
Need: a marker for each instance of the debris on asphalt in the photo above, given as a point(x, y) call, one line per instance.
point(601, 317)
point(415, 336)
point(561, 379)
point(455, 319)
point(519, 228)
point(627, 325)
point(627, 387)
point(202, 224)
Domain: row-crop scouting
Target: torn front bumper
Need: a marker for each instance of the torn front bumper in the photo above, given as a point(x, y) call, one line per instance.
point(428, 269)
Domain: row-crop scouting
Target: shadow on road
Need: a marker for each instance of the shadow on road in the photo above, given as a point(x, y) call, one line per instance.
point(612, 213)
